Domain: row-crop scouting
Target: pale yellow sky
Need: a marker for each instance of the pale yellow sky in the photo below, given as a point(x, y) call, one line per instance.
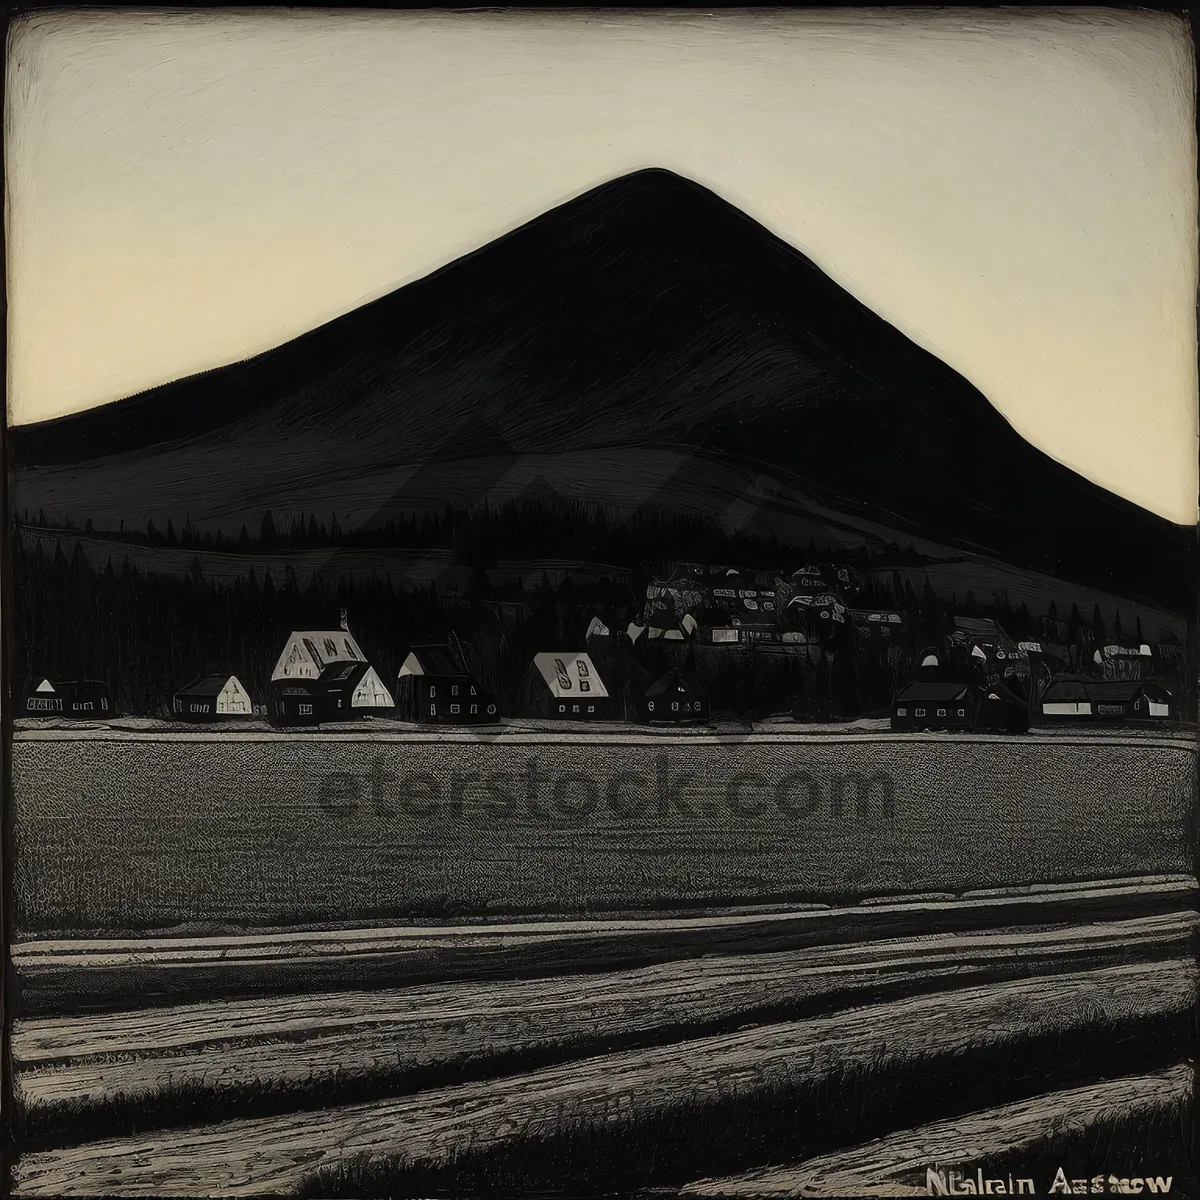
point(1015, 191)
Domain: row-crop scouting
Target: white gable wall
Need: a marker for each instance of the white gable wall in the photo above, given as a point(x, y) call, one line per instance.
point(233, 700)
point(570, 675)
point(370, 692)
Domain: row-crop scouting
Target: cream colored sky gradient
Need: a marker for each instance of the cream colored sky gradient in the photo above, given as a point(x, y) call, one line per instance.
point(1015, 191)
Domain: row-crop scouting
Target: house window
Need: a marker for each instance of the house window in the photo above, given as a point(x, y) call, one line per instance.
point(473, 691)
point(474, 709)
point(902, 712)
point(591, 708)
point(941, 712)
point(962, 712)
point(574, 707)
point(674, 705)
point(305, 710)
point(331, 647)
point(454, 689)
point(433, 710)
point(432, 691)
point(491, 710)
point(455, 709)
point(562, 708)
point(920, 712)
point(584, 686)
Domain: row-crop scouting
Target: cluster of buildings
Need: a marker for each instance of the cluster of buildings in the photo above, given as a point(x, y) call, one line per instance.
point(973, 683)
point(322, 676)
point(979, 678)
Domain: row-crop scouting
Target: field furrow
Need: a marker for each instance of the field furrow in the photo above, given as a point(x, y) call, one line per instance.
point(279, 1153)
point(896, 1165)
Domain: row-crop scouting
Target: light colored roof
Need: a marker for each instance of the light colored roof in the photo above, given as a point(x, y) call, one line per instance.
point(564, 671)
point(431, 660)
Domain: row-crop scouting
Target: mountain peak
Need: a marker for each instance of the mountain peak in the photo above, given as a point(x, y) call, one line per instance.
point(646, 312)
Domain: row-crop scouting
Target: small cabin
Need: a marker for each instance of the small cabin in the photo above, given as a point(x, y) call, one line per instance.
point(434, 688)
point(342, 692)
point(674, 698)
point(81, 699)
point(568, 687)
point(1001, 709)
point(1066, 698)
point(212, 697)
point(1132, 700)
point(927, 704)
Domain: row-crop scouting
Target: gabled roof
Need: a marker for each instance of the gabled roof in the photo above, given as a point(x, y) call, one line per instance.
point(977, 626)
point(431, 660)
point(339, 637)
point(932, 692)
point(1066, 689)
point(208, 685)
point(48, 687)
point(562, 673)
point(343, 673)
point(997, 691)
point(1114, 691)
point(669, 682)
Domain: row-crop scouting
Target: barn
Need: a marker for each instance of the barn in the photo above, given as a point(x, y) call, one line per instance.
point(1075, 698)
point(566, 686)
point(434, 688)
point(80, 699)
point(674, 698)
point(342, 692)
point(934, 704)
point(211, 697)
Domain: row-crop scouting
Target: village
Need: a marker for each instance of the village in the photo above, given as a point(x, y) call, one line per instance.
point(804, 643)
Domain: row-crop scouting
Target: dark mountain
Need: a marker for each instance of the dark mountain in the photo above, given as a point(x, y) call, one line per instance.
point(647, 313)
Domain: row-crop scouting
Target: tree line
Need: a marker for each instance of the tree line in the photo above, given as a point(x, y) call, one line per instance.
point(146, 634)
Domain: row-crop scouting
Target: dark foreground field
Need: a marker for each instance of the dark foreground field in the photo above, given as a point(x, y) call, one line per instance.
point(673, 1073)
point(120, 831)
point(556, 964)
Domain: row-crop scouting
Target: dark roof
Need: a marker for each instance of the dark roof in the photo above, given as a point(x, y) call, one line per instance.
point(66, 686)
point(1071, 688)
point(980, 626)
point(669, 680)
point(1121, 690)
point(931, 692)
point(343, 674)
point(437, 660)
point(206, 685)
point(1000, 692)
point(336, 677)
point(1102, 691)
